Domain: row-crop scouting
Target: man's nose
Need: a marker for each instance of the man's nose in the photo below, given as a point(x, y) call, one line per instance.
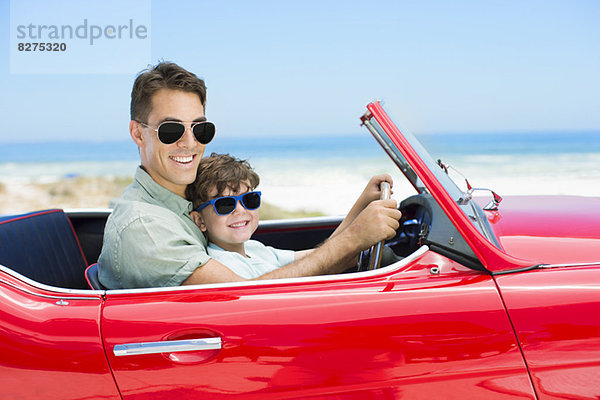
point(188, 139)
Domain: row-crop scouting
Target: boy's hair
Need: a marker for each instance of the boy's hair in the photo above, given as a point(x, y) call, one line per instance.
point(220, 171)
point(165, 75)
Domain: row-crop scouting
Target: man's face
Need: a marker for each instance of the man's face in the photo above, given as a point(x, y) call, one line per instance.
point(172, 166)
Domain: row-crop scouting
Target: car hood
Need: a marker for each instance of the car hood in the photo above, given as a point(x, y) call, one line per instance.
point(548, 229)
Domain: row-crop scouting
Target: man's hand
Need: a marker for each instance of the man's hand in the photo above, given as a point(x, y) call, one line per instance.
point(372, 191)
point(377, 222)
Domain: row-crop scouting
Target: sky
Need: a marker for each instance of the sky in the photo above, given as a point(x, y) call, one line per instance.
point(308, 68)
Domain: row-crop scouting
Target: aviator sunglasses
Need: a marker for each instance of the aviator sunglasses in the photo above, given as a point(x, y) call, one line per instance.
point(171, 131)
point(226, 204)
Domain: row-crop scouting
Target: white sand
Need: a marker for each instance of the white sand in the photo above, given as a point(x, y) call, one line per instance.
point(330, 187)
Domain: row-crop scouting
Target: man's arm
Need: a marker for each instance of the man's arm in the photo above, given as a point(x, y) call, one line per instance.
point(378, 221)
point(298, 254)
point(370, 193)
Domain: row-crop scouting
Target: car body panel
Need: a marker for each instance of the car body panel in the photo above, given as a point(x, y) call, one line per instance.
point(50, 343)
point(548, 229)
point(556, 314)
point(406, 332)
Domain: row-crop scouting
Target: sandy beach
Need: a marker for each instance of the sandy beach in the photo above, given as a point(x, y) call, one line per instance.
point(332, 194)
point(94, 193)
point(79, 192)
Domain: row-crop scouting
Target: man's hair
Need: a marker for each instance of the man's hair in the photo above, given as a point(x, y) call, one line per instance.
point(165, 75)
point(220, 171)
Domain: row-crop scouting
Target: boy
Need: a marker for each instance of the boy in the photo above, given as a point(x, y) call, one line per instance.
point(226, 210)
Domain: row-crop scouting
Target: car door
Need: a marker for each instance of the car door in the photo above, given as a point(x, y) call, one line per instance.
point(556, 313)
point(50, 346)
point(415, 329)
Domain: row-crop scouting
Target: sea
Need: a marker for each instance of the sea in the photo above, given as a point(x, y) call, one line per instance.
point(326, 173)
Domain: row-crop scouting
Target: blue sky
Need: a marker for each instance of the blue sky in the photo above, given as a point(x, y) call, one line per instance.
point(310, 67)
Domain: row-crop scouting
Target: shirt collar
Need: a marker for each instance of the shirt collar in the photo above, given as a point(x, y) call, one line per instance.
point(162, 195)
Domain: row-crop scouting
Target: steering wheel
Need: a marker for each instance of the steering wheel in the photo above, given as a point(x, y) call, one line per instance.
point(371, 258)
point(414, 225)
point(416, 221)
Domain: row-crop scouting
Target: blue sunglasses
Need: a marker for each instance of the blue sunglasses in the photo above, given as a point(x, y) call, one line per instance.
point(226, 205)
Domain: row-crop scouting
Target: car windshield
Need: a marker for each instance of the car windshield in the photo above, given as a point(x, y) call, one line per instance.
point(463, 199)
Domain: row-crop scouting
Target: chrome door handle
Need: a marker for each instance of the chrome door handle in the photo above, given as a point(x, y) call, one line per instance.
point(130, 349)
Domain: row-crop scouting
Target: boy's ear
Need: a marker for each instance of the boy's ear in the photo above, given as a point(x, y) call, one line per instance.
point(197, 217)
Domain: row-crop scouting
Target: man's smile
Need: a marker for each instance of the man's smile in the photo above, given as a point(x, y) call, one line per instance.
point(183, 159)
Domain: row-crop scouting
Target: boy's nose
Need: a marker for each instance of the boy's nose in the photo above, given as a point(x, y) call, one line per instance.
point(238, 206)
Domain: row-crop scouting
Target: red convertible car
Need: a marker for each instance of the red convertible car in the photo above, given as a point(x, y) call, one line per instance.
point(481, 299)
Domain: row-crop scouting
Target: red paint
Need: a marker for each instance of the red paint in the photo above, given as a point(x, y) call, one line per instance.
point(426, 328)
point(555, 314)
point(402, 334)
point(50, 351)
point(549, 229)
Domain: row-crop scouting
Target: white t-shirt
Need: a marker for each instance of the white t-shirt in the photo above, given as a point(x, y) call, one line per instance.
point(261, 259)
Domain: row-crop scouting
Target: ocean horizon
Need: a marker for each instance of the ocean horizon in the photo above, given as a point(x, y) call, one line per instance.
point(326, 173)
point(312, 146)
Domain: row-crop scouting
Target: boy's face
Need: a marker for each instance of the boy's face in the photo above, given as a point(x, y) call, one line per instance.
point(227, 231)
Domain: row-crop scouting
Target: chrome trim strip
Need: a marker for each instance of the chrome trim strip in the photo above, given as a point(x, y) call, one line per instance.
point(288, 222)
point(396, 156)
point(85, 293)
point(87, 212)
point(130, 349)
point(586, 264)
point(307, 279)
point(58, 290)
point(295, 223)
point(46, 296)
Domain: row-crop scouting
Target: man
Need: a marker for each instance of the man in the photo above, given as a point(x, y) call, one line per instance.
point(150, 240)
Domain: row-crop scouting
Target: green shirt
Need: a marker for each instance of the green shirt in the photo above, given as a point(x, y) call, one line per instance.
point(150, 240)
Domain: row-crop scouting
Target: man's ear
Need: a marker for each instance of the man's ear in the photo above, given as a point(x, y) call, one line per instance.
point(135, 130)
point(198, 220)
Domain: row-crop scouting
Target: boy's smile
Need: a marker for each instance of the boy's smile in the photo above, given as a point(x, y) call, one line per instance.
point(230, 231)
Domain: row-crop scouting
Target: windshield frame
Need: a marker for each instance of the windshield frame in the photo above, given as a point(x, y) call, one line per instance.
point(426, 176)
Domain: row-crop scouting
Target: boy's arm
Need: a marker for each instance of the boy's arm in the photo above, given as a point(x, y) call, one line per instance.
point(378, 221)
